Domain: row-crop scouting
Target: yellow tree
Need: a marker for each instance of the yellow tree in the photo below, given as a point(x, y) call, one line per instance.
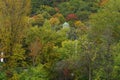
point(103, 2)
point(13, 24)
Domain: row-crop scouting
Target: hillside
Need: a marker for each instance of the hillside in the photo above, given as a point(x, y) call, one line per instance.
point(59, 40)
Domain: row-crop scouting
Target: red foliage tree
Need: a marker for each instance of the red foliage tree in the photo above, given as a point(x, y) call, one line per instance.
point(71, 17)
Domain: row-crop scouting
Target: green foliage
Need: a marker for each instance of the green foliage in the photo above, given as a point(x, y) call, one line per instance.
point(15, 77)
point(46, 8)
point(2, 75)
point(116, 50)
point(40, 47)
point(68, 49)
point(60, 17)
point(18, 56)
point(38, 20)
point(37, 3)
point(13, 28)
point(104, 26)
point(35, 73)
point(105, 23)
point(46, 15)
point(81, 8)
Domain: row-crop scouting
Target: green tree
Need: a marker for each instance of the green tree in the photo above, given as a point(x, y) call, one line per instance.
point(34, 73)
point(81, 8)
point(104, 32)
point(13, 25)
point(37, 3)
point(105, 23)
point(116, 52)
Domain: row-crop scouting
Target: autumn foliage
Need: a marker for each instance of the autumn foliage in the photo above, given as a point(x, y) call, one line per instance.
point(60, 40)
point(71, 17)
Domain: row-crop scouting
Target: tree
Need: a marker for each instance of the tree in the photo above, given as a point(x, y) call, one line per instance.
point(37, 3)
point(116, 52)
point(13, 25)
point(106, 22)
point(82, 8)
point(104, 31)
point(34, 73)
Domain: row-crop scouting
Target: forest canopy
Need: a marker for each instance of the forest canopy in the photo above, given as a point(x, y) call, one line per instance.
point(59, 39)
